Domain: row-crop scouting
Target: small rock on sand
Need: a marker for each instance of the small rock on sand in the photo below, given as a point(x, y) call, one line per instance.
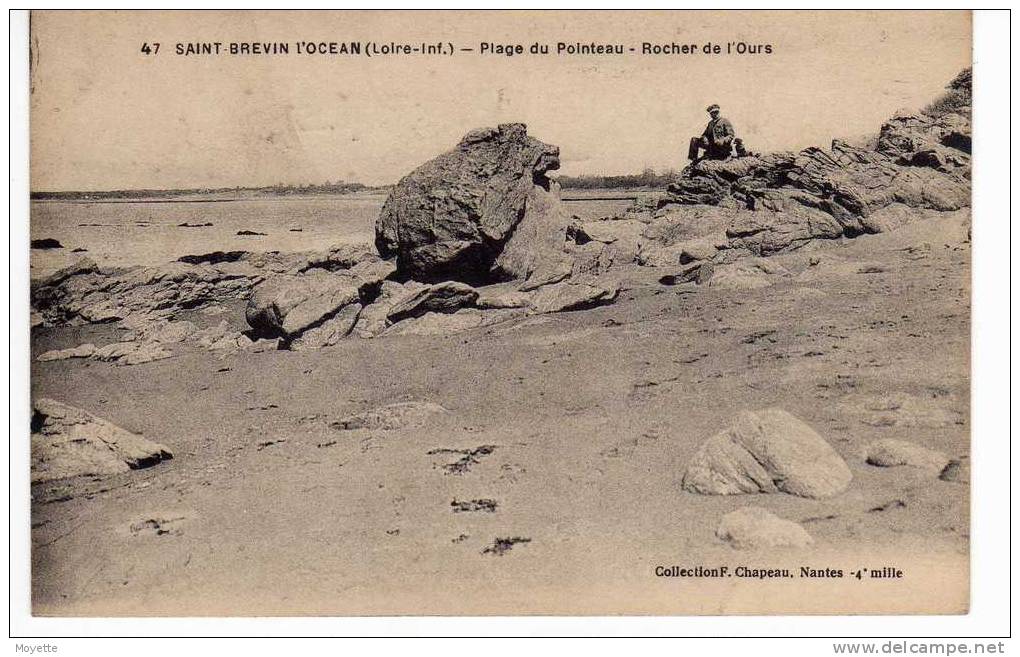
point(70, 442)
point(890, 453)
point(765, 452)
point(958, 470)
point(81, 351)
point(754, 527)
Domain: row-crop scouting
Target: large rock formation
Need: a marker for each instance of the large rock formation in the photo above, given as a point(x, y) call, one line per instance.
point(70, 442)
point(482, 211)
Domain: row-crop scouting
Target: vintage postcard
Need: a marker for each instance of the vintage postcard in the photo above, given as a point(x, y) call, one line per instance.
point(500, 312)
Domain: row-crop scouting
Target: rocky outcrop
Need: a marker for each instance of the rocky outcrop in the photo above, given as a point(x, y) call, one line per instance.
point(131, 353)
point(288, 306)
point(83, 293)
point(81, 351)
point(70, 442)
point(122, 353)
point(779, 202)
point(766, 452)
point(753, 527)
point(481, 211)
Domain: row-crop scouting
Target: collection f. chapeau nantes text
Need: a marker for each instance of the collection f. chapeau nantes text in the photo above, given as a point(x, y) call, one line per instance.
point(753, 572)
point(449, 49)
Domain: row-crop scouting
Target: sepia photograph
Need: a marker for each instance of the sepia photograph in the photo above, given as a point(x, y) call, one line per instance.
point(499, 313)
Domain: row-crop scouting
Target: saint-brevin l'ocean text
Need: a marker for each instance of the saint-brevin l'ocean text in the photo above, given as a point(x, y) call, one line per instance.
point(446, 48)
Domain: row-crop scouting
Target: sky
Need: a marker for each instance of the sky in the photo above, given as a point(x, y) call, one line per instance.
point(106, 116)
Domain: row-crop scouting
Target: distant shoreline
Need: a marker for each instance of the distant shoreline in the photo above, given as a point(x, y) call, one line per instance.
point(218, 197)
point(206, 194)
point(568, 195)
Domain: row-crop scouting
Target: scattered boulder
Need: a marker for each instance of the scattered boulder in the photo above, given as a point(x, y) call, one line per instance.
point(698, 272)
point(452, 217)
point(765, 452)
point(331, 331)
point(81, 351)
point(289, 305)
point(654, 255)
point(446, 297)
point(372, 321)
point(554, 272)
point(213, 257)
point(70, 442)
point(341, 256)
point(286, 306)
point(957, 470)
point(131, 353)
point(46, 243)
point(606, 231)
point(890, 453)
point(495, 297)
point(573, 295)
point(753, 527)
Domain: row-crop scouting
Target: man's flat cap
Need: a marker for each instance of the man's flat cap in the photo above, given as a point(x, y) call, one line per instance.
point(711, 108)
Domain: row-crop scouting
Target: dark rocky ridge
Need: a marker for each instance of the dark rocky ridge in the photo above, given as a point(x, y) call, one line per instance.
point(766, 204)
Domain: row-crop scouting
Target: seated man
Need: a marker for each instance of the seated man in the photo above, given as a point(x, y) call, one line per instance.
point(716, 140)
